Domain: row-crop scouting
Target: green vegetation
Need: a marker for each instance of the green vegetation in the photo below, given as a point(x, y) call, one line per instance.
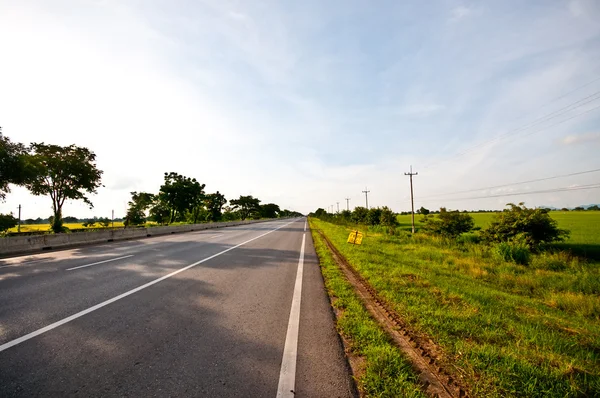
point(386, 373)
point(508, 329)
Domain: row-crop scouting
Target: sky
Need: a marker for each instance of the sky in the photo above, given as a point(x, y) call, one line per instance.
point(307, 103)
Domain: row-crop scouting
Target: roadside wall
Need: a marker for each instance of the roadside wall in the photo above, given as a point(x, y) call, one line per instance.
point(30, 244)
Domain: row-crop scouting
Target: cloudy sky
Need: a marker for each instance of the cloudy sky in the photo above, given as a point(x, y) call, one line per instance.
point(307, 103)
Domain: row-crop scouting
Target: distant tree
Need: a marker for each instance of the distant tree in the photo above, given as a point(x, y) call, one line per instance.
point(104, 221)
point(246, 206)
point(533, 226)
point(139, 203)
point(346, 215)
point(423, 211)
point(387, 217)
point(359, 215)
point(449, 223)
point(181, 194)
point(594, 208)
point(63, 173)
point(579, 208)
point(320, 213)
point(70, 219)
point(88, 223)
point(269, 210)
point(7, 221)
point(15, 165)
point(29, 221)
point(564, 209)
point(214, 203)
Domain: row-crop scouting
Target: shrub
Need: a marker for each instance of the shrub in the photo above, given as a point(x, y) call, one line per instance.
point(359, 215)
point(558, 261)
point(374, 216)
point(449, 223)
point(517, 252)
point(468, 238)
point(535, 226)
point(387, 217)
point(7, 221)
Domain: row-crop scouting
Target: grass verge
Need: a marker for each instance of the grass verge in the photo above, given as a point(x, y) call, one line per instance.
point(385, 372)
point(512, 330)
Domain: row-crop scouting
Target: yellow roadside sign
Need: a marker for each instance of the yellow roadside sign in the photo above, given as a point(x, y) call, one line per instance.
point(355, 237)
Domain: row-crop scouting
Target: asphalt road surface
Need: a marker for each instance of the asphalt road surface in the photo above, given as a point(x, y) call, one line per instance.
point(232, 312)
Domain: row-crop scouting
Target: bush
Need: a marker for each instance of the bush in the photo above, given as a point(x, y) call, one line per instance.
point(517, 252)
point(468, 238)
point(374, 216)
point(7, 221)
point(534, 226)
point(387, 218)
point(449, 223)
point(359, 215)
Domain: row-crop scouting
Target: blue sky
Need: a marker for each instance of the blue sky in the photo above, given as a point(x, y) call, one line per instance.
point(306, 103)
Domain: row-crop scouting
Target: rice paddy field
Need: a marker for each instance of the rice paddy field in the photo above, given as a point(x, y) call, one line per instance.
point(46, 227)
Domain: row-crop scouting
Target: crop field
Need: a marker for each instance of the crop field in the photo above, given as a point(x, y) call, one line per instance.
point(46, 227)
point(503, 329)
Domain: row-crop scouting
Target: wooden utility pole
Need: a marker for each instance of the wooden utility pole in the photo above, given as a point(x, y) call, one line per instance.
point(366, 197)
point(412, 201)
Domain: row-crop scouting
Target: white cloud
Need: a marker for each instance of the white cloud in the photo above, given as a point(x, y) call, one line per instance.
point(581, 139)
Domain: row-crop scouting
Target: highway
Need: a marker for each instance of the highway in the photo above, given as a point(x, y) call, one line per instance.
point(232, 312)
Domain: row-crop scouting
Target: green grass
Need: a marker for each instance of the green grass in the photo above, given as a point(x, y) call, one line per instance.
point(386, 371)
point(511, 330)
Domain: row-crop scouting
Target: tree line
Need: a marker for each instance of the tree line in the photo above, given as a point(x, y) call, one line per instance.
point(70, 172)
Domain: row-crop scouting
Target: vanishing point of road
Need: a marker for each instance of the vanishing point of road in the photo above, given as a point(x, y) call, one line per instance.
point(233, 312)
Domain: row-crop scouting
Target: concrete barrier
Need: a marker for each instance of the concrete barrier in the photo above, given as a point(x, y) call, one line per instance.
point(13, 245)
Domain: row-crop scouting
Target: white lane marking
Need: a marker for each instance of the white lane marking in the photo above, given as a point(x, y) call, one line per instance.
point(99, 262)
point(287, 376)
point(215, 236)
point(120, 296)
point(305, 222)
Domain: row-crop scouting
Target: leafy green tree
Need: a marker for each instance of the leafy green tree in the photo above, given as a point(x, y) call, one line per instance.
point(387, 217)
point(320, 213)
point(214, 203)
point(374, 216)
point(359, 215)
point(449, 223)
point(139, 203)
point(246, 206)
point(594, 208)
point(7, 221)
point(63, 173)
point(229, 214)
point(533, 226)
point(346, 215)
point(160, 212)
point(270, 210)
point(15, 165)
point(181, 194)
point(423, 211)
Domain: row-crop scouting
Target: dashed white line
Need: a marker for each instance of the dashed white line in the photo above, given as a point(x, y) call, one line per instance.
point(287, 375)
point(99, 262)
point(54, 325)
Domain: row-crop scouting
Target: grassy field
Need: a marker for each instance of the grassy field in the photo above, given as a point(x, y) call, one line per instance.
point(507, 329)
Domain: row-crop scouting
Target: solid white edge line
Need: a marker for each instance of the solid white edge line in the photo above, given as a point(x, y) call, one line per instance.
point(99, 262)
point(120, 296)
point(287, 375)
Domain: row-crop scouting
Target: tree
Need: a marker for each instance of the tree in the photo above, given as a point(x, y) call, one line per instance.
point(247, 206)
point(181, 194)
point(15, 165)
point(594, 208)
point(139, 203)
point(229, 214)
point(63, 173)
point(270, 210)
point(423, 211)
point(104, 221)
point(449, 223)
point(387, 217)
point(214, 203)
point(7, 221)
point(533, 226)
point(374, 216)
point(359, 215)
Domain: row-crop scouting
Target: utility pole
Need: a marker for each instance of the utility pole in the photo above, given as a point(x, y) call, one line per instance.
point(338, 205)
point(113, 218)
point(19, 225)
point(366, 197)
point(347, 204)
point(412, 200)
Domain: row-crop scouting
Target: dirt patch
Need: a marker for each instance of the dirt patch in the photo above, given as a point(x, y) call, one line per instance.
point(425, 356)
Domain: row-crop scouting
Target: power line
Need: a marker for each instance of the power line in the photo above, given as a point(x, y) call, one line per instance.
point(515, 183)
point(564, 189)
point(560, 112)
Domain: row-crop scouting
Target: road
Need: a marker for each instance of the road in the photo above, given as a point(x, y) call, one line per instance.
point(232, 312)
